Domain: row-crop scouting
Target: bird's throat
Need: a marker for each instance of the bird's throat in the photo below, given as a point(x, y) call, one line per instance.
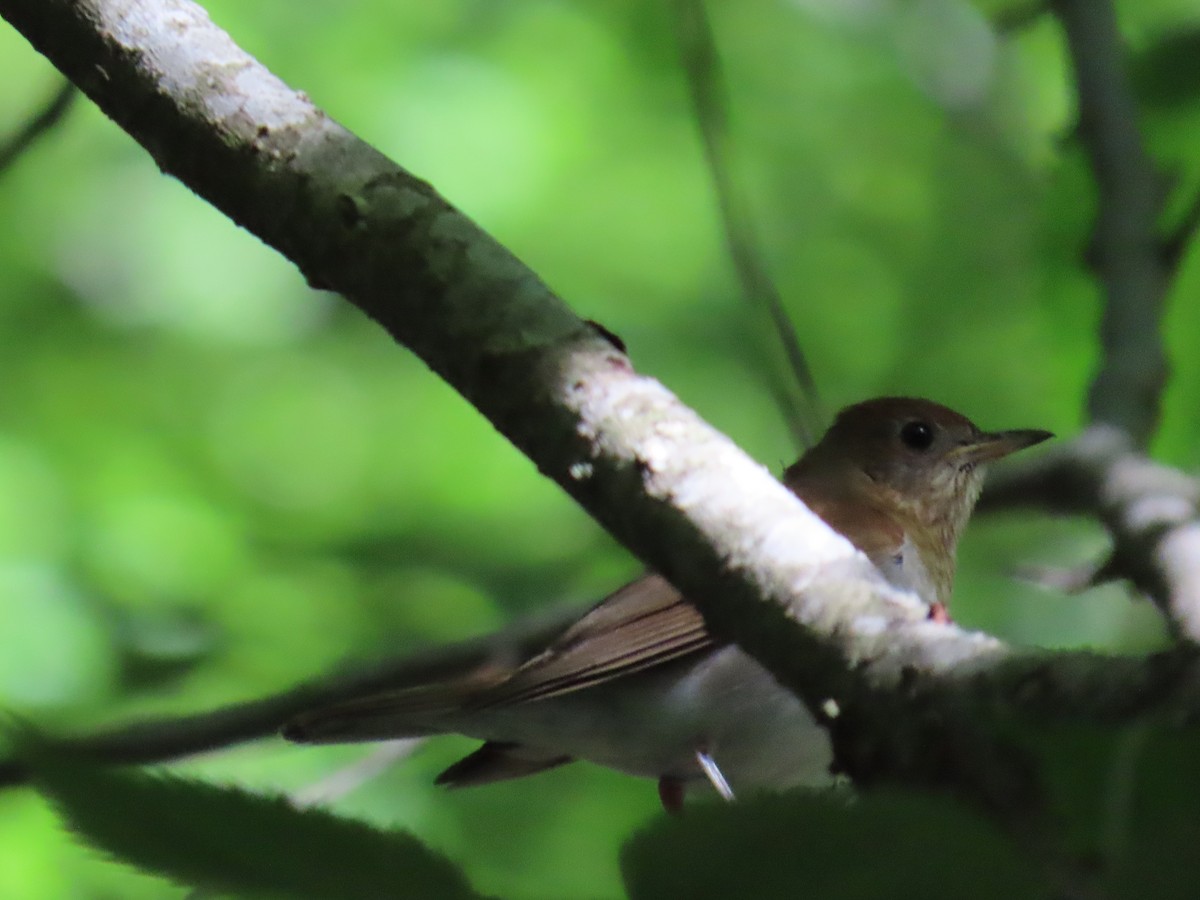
point(913, 544)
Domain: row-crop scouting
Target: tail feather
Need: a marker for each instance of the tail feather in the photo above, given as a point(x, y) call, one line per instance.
point(405, 713)
point(411, 697)
point(350, 723)
point(498, 761)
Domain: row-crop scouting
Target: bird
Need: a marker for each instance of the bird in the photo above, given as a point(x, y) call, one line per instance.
point(638, 684)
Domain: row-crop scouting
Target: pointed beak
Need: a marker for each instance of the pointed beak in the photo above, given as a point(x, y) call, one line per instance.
point(989, 447)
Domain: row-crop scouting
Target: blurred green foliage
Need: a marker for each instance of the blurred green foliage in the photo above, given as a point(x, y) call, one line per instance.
point(215, 481)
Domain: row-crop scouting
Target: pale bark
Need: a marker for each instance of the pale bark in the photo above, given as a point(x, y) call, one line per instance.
point(673, 490)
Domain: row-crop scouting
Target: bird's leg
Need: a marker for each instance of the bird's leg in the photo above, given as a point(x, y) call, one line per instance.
point(709, 765)
point(670, 793)
point(671, 788)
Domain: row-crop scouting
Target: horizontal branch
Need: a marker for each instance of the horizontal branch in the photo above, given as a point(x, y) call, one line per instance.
point(1150, 511)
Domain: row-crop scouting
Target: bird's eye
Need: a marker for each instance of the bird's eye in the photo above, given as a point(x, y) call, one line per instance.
point(917, 435)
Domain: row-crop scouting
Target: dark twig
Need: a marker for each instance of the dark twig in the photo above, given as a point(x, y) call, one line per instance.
point(1018, 18)
point(942, 673)
point(702, 65)
point(1125, 251)
point(160, 740)
point(1175, 243)
point(1150, 511)
point(44, 120)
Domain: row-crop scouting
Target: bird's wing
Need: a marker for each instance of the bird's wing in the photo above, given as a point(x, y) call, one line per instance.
point(644, 624)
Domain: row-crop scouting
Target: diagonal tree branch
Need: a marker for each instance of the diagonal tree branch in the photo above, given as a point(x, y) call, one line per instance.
point(675, 491)
point(357, 223)
point(667, 485)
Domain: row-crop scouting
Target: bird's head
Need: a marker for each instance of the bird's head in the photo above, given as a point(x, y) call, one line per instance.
point(916, 454)
point(902, 467)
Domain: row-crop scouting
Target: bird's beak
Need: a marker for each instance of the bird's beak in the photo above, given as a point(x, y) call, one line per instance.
point(989, 447)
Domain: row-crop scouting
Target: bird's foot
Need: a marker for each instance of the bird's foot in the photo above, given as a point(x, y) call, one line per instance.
point(709, 765)
point(671, 789)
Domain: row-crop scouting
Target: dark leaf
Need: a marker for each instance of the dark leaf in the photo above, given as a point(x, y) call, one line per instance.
point(887, 844)
point(229, 840)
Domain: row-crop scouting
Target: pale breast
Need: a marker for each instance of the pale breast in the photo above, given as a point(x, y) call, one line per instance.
point(651, 724)
point(905, 568)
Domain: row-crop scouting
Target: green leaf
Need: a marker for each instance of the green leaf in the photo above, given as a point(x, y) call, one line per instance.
point(886, 844)
point(1129, 798)
point(229, 840)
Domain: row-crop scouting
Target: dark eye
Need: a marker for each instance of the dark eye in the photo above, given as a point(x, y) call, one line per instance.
point(917, 435)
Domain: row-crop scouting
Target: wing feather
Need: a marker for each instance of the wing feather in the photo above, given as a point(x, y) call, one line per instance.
point(644, 624)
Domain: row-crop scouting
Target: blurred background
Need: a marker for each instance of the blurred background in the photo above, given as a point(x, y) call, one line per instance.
point(215, 482)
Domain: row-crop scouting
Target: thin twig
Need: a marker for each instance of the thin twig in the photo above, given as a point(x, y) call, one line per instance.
point(1126, 251)
point(1151, 512)
point(162, 739)
point(702, 65)
point(346, 780)
point(1175, 243)
point(1018, 18)
point(45, 119)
